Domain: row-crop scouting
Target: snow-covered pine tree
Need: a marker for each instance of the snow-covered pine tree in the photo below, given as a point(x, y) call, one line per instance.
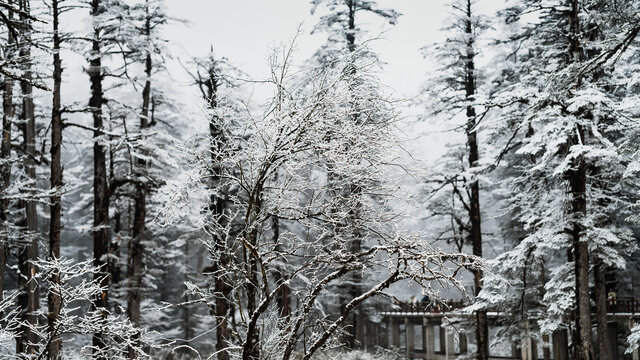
point(146, 49)
point(564, 145)
point(454, 93)
point(212, 76)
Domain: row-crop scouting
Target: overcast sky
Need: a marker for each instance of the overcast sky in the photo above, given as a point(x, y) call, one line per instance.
point(245, 30)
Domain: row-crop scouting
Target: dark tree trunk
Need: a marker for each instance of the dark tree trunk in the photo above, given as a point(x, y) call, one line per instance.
point(582, 335)
point(100, 187)
point(582, 338)
point(135, 263)
point(136, 246)
point(29, 295)
point(482, 325)
point(8, 113)
point(217, 211)
point(186, 312)
point(114, 251)
point(53, 298)
point(251, 350)
point(601, 311)
point(283, 299)
point(114, 246)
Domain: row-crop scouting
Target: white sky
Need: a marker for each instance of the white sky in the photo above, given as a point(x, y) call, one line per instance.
point(245, 30)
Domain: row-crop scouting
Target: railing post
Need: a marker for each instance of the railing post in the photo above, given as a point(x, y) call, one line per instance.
point(409, 336)
point(395, 332)
point(462, 340)
point(429, 338)
point(449, 350)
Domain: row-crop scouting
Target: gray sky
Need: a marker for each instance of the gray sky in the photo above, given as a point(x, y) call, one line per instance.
point(245, 30)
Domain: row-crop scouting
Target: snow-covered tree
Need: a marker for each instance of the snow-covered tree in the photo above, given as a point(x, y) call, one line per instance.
point(453, 93)
point(303, 128)
point(569, 168)
point(346, 39)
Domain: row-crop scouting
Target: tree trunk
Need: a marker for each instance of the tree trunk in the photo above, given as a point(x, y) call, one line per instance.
point(582, 338)
point(283, 297)
point(8, 113)
point(482, 325)
point(251, 350)
point(217, 211)
point(100, 187)
point(53, 298)
point(114, 251)
point(136, 246)
point(186, 310)
point(601, 311)
point(582, 335)
point(113, 263)
point(135, 264)
point(29, 296)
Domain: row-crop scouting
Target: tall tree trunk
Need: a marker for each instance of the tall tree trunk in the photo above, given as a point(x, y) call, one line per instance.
point(114, 251)
point(217, 211)
point(53, 298)
point(353, 287)
point(582, 337)
point(482, 325)
point(135, 263)
point(136, 247)
point(29, 296)
point(582, 341)
point(601, 311)
point(100, 187)
point(8, 113)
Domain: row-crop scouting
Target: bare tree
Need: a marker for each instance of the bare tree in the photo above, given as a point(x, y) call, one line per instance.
point(292, 140)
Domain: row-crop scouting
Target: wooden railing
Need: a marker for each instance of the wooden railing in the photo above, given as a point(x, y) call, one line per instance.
point(431, 307)
point(624, 306)
point(618, 306)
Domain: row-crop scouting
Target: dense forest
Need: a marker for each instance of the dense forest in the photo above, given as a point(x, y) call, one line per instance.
point(133, 225)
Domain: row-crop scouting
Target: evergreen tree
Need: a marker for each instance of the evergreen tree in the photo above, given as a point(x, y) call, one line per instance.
point(454, 92)
point(564, 145)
